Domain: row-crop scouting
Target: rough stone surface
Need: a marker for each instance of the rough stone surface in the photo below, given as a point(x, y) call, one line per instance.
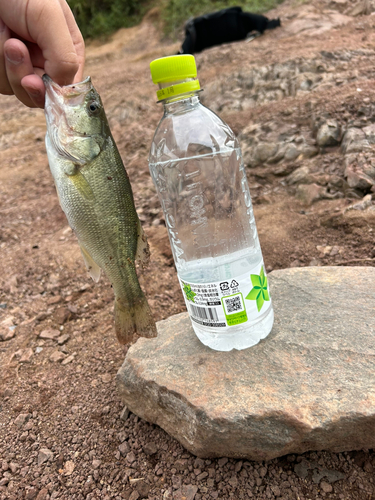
point(265, 150)
point(57, 356)
point(365, 203)
point(329, 134)
point(22, 419)
point(7, 329)
point(354, 141)
point(291, 152)
point(26, 355)
point(50, 333)
point(124, 413)
point(299, 176)
point(370, 133)
point(44, 455)
point(310, 385)
point(308, 193)
point(358, 179)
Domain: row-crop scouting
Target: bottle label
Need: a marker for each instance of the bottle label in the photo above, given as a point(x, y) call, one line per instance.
point(220, 304)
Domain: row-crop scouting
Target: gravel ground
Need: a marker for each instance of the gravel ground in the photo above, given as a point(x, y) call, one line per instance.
point(90, 447)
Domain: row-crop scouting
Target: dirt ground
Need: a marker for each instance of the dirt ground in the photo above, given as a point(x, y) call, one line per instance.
point(62, 431)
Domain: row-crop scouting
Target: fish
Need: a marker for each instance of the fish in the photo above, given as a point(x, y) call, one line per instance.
point(95, 194)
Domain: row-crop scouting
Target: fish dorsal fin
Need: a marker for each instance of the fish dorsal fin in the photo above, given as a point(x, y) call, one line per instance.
point(142, 254)
point(92, 267)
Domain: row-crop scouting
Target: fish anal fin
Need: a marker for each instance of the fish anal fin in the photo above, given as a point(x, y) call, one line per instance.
point(142, 254)
point(92, 266)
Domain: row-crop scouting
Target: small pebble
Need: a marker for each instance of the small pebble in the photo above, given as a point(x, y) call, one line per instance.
point(326, 487)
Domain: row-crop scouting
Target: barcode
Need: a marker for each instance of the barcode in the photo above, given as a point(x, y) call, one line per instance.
point(204, 312)
point(233, 304)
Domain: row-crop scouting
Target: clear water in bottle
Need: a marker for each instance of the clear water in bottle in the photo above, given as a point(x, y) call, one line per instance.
point(196, 164)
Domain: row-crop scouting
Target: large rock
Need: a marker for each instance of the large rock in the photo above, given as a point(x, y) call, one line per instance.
point(7, 329)
point(354, 141)
point(310, 385)
point(357, 179)
point(300, 176)
point(370, 133)
point(329, 134)
point(265, 150)
point(309, 193)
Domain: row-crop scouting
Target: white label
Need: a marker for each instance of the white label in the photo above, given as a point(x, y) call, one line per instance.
point(220, 304)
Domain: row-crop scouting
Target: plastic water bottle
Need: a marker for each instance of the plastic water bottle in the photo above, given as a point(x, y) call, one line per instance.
point(197, 167)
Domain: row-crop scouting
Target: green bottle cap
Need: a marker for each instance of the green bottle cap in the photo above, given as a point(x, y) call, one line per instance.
point(174, 69)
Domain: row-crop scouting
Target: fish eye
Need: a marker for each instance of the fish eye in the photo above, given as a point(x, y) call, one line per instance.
point(93, 108)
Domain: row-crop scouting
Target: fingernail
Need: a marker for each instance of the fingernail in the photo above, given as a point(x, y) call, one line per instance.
point(14, 56)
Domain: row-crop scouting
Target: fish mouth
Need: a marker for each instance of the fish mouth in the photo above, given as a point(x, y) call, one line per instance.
point(67, 91)
point(57, 97)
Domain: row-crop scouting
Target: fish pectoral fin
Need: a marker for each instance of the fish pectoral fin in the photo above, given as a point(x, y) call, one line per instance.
point(81, 184)
point(142, 254)
point(92, 267)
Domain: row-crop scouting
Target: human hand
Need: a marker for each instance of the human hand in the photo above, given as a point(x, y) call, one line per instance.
point(37, 37)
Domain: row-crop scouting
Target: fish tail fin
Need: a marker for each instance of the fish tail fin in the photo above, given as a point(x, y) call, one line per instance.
point(133, 318)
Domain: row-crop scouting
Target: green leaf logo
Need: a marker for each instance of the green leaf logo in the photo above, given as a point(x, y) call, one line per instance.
point(189, 292)
point(259, 291)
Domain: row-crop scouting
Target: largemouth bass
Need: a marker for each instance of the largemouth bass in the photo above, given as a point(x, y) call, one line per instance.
point(96, 196)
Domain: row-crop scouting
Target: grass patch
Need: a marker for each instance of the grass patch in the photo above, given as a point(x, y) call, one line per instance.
point(100, 18)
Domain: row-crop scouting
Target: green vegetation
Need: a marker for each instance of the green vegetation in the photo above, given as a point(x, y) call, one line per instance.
point(98, 18)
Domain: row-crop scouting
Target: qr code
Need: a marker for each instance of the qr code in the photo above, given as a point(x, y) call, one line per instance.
point(233, 304)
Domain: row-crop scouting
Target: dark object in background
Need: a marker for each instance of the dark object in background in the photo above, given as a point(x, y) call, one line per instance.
point(227, 25)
